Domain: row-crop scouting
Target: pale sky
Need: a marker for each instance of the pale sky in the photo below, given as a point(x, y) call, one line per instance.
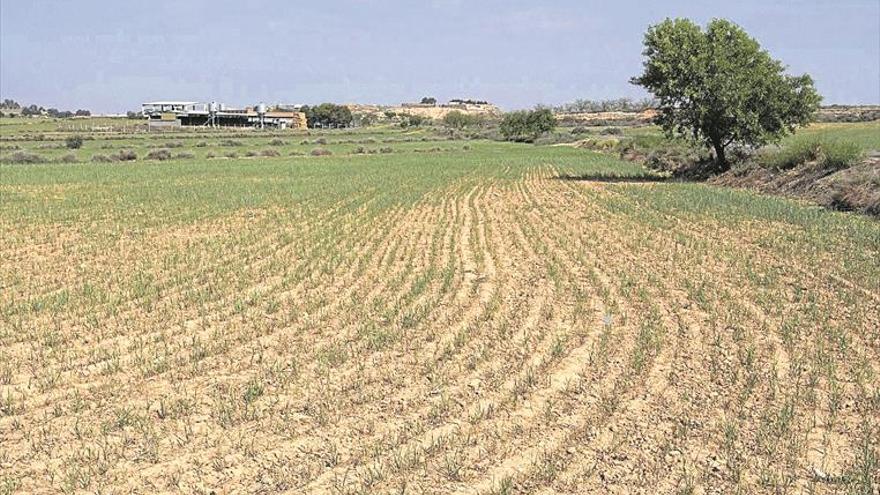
point(109, 56)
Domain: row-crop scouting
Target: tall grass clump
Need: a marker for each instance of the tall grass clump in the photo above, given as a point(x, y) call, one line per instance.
point(827, 153)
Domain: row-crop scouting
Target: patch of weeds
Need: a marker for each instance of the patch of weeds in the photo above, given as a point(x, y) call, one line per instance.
point(21, 157)
point(828, 153)
point(160, 154)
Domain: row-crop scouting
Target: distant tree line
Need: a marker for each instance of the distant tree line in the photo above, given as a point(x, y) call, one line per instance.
point(614, 105)
point(469, 102)
point(8, 104)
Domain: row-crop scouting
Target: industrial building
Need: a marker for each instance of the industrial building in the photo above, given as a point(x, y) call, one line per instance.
point(171, 114)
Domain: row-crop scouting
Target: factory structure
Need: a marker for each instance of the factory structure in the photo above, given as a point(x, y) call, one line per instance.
point(172, 114)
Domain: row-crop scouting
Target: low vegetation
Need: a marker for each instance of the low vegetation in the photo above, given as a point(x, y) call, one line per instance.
point(457, 120)
point(827, 153)
point(23, 157)
point(74, 142)
point(160, 154)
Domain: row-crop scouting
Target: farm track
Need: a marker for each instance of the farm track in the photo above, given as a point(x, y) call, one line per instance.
point(515, 333)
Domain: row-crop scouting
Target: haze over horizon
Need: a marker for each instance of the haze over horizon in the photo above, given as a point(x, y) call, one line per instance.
point(111, 56)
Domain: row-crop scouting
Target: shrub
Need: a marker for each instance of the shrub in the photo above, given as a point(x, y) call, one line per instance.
point(320, 152)
point(230, 142)
point(250, 153)
point(580, 130)
point(174, 144)
point(460, 120)
point(670, 159)
point(527, 125)
point(296, 153)
point(270, 153)
point(360, 150)
point(68, 158)
point(73, 142)
point(320, 141)
point(607, 144)
point(611, 131)
point(386, 149)
point(201, 144)
point(232, 154)
point(184, 155)
point(159, 154)
point(555, 138)
point(23, 157)
point(414, 121)
point(101, 159)
point(125, 156)
point(277, 142)
point(210, 155)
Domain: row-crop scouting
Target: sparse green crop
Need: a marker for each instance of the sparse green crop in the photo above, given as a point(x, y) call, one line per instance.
point(410, 310)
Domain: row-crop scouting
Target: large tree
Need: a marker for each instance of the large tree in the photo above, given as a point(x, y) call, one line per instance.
point(719, 87)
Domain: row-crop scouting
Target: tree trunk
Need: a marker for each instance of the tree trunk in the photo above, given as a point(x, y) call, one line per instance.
point(720, 159)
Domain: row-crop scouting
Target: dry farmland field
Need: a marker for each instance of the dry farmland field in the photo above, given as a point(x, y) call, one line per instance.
point(413, 314)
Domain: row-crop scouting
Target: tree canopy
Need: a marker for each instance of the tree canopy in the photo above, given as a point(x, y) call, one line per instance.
point(719, 87)
point(527, 125)
point(328, 115)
